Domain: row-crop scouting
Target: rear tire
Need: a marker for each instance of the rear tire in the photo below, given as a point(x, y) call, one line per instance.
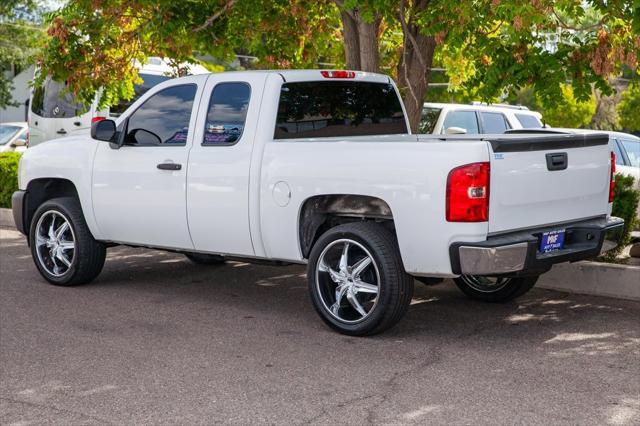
point(62, 246)
point(205, 259)
point(362, 289)
point(494, 290)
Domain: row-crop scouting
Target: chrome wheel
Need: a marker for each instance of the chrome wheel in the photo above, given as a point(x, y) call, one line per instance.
point(348, 280)
point(485, 284)
point(55, 243)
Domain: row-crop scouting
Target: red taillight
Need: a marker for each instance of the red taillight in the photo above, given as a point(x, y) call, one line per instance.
point(612, 182)
point(468, 193)
point(96, 119)
point(338, 74)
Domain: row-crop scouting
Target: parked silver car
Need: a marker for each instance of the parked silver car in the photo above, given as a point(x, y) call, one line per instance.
point(14, 137)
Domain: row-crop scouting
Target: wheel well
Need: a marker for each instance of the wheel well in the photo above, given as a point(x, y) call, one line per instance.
point(322, 212)
point(41, 190)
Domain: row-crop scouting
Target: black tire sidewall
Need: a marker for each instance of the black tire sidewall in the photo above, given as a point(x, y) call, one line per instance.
point(60, 208)
point(516, 287)
point(369, 324)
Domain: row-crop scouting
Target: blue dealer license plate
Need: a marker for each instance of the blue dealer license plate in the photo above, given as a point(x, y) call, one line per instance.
point(551, 241)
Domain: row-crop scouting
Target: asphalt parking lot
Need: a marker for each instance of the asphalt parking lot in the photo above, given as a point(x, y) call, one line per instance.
point(157, 340)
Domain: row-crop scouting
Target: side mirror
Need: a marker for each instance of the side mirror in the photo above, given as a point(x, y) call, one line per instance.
point(456, 131)
point(19, 142)
point(103, 130)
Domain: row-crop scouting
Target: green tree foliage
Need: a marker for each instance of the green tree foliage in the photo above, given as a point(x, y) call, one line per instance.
point(524, 96)
point(95, 43)
point(20, 40)
point(629, 108)
point(8, 177)
point(569, 111)
point(625, 206)
point(486, 45)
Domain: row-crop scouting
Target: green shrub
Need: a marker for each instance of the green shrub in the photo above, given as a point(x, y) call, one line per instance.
point(625, 206)
point(8, 176)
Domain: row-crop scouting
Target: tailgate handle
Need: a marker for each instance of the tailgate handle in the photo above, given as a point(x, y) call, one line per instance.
point(557, 161)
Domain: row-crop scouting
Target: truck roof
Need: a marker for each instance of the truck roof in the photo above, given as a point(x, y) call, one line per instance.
point(481, 107)
point(319, 75)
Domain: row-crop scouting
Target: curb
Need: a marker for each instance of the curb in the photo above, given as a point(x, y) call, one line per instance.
point(594, 278)
point(6, 218)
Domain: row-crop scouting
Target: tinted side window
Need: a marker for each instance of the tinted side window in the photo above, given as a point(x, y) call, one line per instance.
point(338, 108)
point(633, 151)
point(227, 113)
point(494, 122)
point(464, 119)
point(617, 152)
point(148, 81)
point(529, 121)
point(429, 119)
point(52, 100)
point(163, 118)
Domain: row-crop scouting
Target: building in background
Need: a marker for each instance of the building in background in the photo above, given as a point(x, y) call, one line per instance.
point(20, 94)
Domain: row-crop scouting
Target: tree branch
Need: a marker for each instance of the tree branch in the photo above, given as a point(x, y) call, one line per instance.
point(493, 31)
point(216, 15)
point(566, 26)
point(410, 37)
point(406, 75)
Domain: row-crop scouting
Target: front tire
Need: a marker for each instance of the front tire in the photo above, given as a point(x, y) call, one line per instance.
point(62, 246)
point(494, 289)
point(357, 281)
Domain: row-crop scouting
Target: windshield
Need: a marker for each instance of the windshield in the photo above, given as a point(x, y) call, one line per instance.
point(52, 100)
point(429, 118)
point(148, 81)
point(7, 133)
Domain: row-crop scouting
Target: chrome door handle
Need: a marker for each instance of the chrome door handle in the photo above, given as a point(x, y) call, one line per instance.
point(169, 166)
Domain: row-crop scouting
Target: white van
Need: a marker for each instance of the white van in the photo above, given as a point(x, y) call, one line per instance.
point(55, 114)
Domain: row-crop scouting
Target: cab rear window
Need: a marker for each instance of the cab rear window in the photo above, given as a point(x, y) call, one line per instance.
point(338, 108)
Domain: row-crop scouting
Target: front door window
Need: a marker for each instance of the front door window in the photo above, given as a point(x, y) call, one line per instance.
point(163, 119)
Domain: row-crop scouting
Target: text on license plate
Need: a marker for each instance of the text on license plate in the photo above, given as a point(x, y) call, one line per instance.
point(551, 241)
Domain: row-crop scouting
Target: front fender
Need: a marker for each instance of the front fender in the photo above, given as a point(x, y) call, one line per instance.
point(65, 158)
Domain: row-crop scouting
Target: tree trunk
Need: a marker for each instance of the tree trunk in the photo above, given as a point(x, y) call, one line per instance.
point(361, 51)
point(414, 70)
point(360, 40)
point(351, 41)
point(606, 116)
point(368, 40)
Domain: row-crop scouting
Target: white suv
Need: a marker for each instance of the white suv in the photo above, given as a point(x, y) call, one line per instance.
point(476, 118)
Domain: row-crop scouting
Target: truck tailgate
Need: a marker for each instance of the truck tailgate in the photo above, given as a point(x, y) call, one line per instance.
point(544, 180)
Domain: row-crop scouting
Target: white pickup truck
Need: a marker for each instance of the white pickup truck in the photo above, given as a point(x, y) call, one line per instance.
point(318, 168)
